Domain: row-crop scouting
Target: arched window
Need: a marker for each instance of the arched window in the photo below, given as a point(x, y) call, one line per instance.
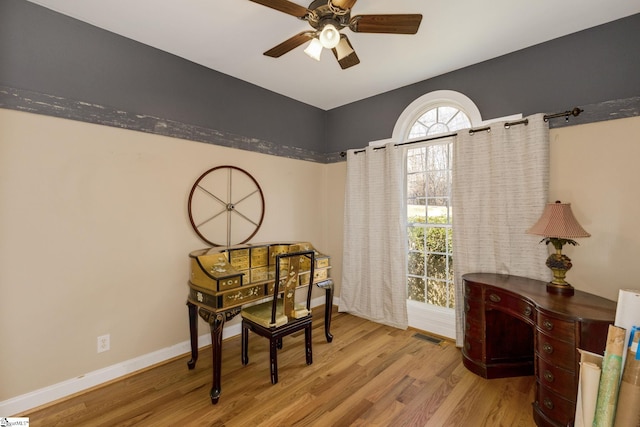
point(430, 281)
point(432, 112)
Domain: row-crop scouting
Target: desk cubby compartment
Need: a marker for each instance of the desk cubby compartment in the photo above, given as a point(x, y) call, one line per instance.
point(553, 406)
point(513, 304)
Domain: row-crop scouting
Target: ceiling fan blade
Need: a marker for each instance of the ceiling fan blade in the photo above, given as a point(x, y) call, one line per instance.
point(290, 44)
point(394, 24)
point(284, 6)
point(345, 54)
point(344, 4)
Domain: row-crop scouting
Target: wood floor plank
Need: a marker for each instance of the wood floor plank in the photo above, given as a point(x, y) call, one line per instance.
point(370, 375)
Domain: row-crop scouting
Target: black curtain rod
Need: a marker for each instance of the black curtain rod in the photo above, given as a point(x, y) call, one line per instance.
point(575, 113)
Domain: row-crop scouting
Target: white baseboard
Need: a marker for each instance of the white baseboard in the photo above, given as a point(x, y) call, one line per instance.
point(437, 320)
point(22, 403)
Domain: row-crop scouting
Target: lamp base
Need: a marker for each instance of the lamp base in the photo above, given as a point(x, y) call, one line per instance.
point(564, 289)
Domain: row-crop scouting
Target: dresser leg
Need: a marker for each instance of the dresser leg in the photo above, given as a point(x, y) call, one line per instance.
point(193, 333)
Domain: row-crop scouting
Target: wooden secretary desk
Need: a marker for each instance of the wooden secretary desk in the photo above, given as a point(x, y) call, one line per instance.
point(513, 327)
point(224, 278)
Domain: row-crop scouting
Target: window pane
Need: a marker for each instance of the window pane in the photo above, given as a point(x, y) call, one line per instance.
point(416, 238)
point(416, 264)
point(416, 160)
point(416, 185)
point(437, 293)
point(416, 289)
point(445, 114)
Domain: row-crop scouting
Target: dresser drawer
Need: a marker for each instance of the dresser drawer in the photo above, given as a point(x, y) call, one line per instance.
point(473, 349)
point(510, 303)
point(473, 308)
point(561, 353)
point(559, 380)
point(561, 329)
point(472, 291)
point(554, 406)
point(473, 329)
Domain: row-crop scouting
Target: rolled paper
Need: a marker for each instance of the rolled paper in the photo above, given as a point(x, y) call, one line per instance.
point(628, 412)
point(610, 377)
point(628, 313)
point(589, 383)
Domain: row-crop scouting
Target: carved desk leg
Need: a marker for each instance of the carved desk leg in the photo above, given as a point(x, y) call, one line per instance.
point(327, 285)
point(193, 333)
point(216, 324)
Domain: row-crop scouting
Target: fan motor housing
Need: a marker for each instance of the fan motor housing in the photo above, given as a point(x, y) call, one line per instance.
point(322, 15)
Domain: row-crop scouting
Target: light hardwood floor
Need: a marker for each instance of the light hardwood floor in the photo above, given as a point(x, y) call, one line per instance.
point(369, 375)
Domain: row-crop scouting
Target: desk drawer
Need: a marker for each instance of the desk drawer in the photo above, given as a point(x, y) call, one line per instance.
point(472, 291)
point(562, 329)
point(510, 303)
point(562, 353)
point(242, 295)
point(473, 349)
point(559, 380)
point(554, 406)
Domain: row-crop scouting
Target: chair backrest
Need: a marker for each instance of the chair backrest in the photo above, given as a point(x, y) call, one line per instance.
point(287, 280)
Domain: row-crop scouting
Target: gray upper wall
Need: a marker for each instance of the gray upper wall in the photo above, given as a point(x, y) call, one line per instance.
point(592, 66)
point(47, 52)
point(46, 55)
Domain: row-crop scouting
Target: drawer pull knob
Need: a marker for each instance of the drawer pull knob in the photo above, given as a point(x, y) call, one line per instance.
point(527, 311)
point(548, 325)
point(548, 376)
point(495, 298)
point(467, 307)
point(467, 345)
point(548, 348)
point(467, 326)
point(548, 403)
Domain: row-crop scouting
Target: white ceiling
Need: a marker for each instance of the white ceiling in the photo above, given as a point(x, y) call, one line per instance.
point(230, 36)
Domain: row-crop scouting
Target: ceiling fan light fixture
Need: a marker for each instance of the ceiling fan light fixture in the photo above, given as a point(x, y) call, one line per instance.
point(329, 36)
point(343, 49)
point(314, 49)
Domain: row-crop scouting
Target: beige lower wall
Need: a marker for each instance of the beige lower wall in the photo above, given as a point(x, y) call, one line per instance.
point(595, 168)
point(95, 236)
point(94, 233)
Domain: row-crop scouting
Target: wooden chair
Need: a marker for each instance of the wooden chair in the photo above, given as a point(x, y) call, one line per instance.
point(281, 316)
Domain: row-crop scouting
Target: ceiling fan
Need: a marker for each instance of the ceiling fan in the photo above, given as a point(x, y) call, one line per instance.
point(328, 17)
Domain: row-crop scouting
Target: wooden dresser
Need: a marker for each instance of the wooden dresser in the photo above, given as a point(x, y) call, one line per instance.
point(513, 327)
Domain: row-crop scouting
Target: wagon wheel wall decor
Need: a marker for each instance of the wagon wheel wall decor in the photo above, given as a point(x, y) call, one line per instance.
point(226, 206)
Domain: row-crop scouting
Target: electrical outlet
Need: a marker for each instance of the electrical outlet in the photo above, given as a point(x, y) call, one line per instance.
point(104, 343)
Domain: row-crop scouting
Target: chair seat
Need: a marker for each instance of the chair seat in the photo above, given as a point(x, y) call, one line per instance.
point(261, 314)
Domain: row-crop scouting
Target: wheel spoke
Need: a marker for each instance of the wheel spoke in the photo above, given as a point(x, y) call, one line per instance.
point(212, 195)
point(210, 218)
point(247, 196)
point(245, 217)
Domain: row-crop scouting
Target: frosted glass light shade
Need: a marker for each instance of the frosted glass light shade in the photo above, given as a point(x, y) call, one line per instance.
point(330, 36)
point(314, 50)
point(343, 49)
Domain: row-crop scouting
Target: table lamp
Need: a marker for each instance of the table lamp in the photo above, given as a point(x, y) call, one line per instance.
point(559, 227)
